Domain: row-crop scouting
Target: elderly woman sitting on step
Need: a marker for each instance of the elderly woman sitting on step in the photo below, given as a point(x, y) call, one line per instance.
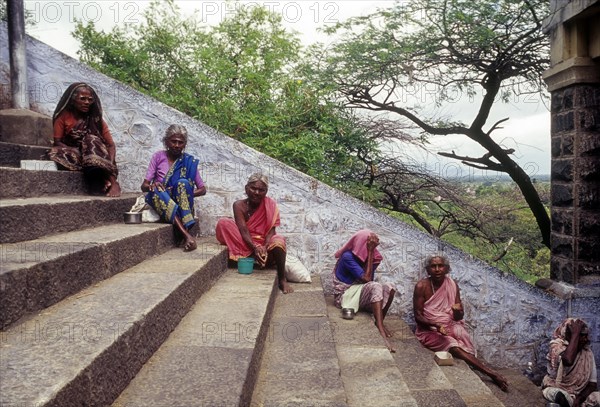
point(252, 231)
point(172, 181)
point(82, 140)
point(353, 280)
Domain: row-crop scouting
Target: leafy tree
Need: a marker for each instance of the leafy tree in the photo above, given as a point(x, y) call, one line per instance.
point(241, 77)
point(491, 47)
point(29, 20)
point(252, 80)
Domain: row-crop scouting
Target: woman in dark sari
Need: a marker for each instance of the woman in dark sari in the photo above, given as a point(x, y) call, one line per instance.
point(82, 140)
point(172, 181)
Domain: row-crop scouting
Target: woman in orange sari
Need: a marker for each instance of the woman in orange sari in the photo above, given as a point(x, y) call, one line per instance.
point(252, 232)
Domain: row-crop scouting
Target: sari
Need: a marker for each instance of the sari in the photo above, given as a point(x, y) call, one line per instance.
point(438, 309)
point(178, 196)
point(259, 224)
point(571, 380)
point(86, 139)
point(351, 259)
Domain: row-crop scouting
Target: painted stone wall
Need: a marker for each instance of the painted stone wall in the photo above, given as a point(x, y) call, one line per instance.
point(511, 320)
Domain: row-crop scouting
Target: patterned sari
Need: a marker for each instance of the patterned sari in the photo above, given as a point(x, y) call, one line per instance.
point(178, 196)
point(85, 150)
point(86, 139)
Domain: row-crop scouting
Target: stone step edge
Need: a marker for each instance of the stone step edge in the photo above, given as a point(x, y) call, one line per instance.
point(107, 369)
point(11, 154)
point(357, 339)
point(40, 284)
point(224, 337)
point(473, 393)
point(301, 342)
point(22, 183)
point(31, 218)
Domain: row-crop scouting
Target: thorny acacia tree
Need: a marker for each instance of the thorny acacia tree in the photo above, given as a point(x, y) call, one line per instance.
point(492, 47)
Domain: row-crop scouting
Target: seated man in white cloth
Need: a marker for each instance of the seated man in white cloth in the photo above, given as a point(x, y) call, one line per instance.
point(572, 378)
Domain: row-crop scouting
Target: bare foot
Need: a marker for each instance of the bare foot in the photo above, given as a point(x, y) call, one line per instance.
point(190, 245)
point(285, 287)
point(387, 332)
point(500, 382)
point(114, 190)
point(389, 345)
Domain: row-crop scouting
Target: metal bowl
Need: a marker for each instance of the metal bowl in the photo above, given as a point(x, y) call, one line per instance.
point(132, 217)
point(347, 313)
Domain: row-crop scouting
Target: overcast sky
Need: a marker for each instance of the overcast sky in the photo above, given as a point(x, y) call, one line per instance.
point(527, 131)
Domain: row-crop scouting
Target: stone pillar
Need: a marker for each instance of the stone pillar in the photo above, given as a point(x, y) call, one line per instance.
point(18, 59)
point(574, 82)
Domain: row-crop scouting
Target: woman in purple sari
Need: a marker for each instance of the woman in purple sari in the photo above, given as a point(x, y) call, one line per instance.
point(172, 181)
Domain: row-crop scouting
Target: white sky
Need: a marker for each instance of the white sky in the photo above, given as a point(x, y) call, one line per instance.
point(527, 131)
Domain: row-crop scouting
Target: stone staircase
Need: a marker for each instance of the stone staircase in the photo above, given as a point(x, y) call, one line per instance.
point(95, 312)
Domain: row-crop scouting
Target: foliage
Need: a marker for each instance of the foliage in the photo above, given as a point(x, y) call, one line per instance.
point(27, 14)
point(488, 50)
point(242, 77)
point(505, 216)
point(250, 79)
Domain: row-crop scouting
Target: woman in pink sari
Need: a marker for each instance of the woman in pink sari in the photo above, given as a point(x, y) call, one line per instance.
point(354, 284)
point(439, 316)
point(252, 232)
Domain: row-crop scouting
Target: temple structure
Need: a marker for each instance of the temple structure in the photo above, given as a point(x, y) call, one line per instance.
point(574, 82)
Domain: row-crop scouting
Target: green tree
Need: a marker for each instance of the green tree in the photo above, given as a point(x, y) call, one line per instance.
point(242, 77)
point(250, 79)
point(493, 47)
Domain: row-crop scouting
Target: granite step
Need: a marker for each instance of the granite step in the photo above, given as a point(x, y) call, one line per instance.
point(24, 219)
point(522, 391)
point(37, 273)
point(21, 183)
point(11, 154)
point(25, 126)
point(429, 383)
point(300, 365)
point(213, 356)
point(85, 349)
point(369, 371)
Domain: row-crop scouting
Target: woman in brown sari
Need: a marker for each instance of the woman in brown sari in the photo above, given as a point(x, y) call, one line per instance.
point(82, 141)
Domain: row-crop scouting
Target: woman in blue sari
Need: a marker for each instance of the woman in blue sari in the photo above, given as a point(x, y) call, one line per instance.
point(172, 181)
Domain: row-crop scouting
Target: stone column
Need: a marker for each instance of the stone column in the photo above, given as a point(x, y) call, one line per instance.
point(18, 58)
point(574, 82)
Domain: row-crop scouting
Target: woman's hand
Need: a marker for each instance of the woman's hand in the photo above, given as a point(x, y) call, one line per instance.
point(457, 311)
point(157, 186)
point(372, 242)
point(261, 251)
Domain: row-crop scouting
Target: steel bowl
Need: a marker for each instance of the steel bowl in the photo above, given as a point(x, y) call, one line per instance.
point(132, 217)
point(347, 313)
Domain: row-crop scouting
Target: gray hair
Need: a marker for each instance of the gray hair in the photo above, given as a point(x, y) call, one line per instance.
point(258, 176)
point(176, 129)
point(430, 258)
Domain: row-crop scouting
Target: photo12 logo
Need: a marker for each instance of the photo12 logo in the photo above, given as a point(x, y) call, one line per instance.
point(325, 12)
point(85, 11)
